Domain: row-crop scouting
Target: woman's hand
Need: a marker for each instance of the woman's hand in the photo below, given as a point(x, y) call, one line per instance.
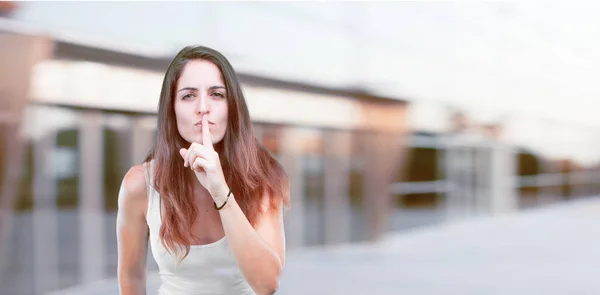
point(204, 161)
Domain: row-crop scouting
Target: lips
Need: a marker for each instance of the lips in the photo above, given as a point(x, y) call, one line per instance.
point(199, 123)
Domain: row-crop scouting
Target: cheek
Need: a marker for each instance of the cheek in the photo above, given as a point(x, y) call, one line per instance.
point(180, 116)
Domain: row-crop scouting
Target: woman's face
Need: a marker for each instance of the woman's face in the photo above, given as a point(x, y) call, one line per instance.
point(200, 91)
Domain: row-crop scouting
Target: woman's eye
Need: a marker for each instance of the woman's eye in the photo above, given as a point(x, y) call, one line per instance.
point(187, 96)
point(219, 95)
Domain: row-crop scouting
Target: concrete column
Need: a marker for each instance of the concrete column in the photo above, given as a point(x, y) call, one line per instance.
point(383, 159)
point(510, 156)
point(459, 167)
point(504, 190)
point(142, 138)
point(18, 56)
point(482, 172)
point(337, 176)
point(291, 160)
point(45, 214)
point(445, 186)
point(471, 179)
point(451, 203)
point(91, 196)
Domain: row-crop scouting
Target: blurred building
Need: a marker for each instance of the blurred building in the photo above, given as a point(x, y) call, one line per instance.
point(355, 116)
point(85, 114)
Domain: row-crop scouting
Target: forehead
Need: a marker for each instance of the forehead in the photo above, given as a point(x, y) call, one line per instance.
point(200, 73)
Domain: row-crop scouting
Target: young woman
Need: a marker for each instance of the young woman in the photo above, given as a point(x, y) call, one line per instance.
point(209, 197)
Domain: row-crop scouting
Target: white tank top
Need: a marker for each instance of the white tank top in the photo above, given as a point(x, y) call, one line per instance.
point(208, 269)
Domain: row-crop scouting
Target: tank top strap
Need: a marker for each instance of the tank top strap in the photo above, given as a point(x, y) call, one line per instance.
point(153, 196)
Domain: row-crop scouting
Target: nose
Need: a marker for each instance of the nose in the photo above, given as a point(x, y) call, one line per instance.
point(202, 105)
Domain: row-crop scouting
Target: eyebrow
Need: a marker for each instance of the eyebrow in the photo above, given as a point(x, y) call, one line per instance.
point(196, 89)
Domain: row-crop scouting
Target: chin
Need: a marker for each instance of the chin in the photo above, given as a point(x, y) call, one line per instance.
point(215, 141)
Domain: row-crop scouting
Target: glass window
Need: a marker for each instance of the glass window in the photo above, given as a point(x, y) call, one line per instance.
point(66, 159)
point(311, 141)
point(117, 158)
point(528, 166)
point(357, 170)
point(24, 198)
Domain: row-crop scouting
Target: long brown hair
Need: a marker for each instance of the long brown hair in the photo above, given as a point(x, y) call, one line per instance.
point(249, 169)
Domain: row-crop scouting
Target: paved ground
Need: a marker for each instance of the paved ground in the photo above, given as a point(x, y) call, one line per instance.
point(20, 279)
point(552, 250)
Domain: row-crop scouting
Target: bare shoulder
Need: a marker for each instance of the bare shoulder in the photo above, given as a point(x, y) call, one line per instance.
point(132, 195)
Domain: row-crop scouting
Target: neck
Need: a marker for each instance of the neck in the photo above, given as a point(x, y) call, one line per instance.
point(197, 189)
